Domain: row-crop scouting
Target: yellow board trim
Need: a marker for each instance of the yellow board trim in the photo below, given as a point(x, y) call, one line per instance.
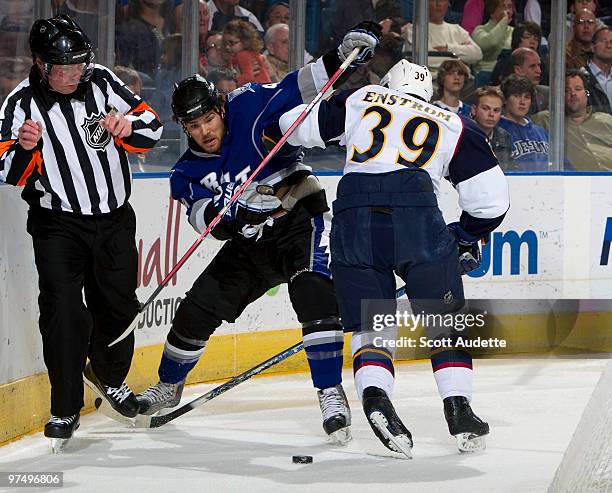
point(24, 403)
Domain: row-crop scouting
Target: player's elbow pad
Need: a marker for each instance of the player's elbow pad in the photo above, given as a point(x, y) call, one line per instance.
point(307, 134)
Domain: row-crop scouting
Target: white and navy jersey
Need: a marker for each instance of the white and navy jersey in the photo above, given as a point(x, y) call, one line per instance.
point(384, 130)
point(250, 109)
point(77, 167)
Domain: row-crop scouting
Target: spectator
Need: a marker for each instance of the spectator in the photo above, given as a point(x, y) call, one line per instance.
point(122, 9)
point(599, 71)
point(473, 15)
point(588, 134)
point(529, 141)
point(445, 37)
point(493, 37)
point(451, 78)
point(170, 63)
point(538, 12)
point(276, 40)
point(526, 35)
point(129, 77)
point(525, 61)
point(486, 112)
point(138, 39)
point(577, 6)
point(216, 57)
point(168, 74)
point(12, 71)
point(204, 18)
point(224, 11)
point(223, 79)
point(278, 13)
point(241, 40)
point(578, 50)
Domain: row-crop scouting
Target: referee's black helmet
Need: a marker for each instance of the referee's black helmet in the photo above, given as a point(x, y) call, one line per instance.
point(194, 97)
point(61, 41)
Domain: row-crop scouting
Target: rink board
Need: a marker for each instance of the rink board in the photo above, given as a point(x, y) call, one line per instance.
point(553, 244)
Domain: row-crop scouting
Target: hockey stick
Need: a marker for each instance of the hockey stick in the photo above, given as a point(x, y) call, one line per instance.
point(255, 172)
point(143, 421)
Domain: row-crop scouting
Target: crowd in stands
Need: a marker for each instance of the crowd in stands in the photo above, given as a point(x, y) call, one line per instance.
point(489, 59)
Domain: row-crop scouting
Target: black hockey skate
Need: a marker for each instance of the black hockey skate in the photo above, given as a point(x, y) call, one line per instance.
point(464, 425)
point(385, 422)
point(60, 430)
point(161, 395)
point(121, 399)
point(336, 413)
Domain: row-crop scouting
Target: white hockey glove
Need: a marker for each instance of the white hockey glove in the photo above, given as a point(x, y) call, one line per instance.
point(256, 204)
point(469, 250)
point(364, 35)
point(251, 207)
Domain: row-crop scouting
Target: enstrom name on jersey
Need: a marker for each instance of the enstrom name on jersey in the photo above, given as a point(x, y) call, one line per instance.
point(393, 99)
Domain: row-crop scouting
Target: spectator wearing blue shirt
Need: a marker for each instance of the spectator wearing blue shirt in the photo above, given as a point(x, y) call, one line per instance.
point(529, 141)
point(451, 78)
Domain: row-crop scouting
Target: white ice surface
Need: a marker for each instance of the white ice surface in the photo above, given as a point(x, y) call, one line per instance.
point(243, 440)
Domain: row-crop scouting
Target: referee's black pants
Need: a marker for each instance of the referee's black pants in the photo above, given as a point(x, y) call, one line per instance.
point(97, 255)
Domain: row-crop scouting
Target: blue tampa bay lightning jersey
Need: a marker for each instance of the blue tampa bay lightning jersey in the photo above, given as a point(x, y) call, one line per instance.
point(248, 111)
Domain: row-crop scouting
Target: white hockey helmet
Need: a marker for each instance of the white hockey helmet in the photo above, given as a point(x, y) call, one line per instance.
point(409, 78)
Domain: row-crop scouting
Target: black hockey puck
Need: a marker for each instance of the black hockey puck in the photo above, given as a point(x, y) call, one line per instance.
point(98, 402)
point(302, 459)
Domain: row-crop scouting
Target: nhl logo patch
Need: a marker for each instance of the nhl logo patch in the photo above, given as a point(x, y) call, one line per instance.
point(95, 134)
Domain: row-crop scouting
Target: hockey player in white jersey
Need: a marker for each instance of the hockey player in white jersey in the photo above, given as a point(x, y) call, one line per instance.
point(386, 221)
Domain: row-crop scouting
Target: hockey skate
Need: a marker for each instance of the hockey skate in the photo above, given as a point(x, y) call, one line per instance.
point(336, 414)
point(60, 431)
point(161, 395)
point(464, 425)
point(120, 399)
point(385, 422)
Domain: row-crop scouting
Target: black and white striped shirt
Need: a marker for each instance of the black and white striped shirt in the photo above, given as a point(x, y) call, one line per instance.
point(78, 166)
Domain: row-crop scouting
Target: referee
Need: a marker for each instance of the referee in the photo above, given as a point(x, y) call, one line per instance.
point(65, 131)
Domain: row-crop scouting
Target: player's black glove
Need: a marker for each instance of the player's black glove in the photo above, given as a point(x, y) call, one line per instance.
point(252, 207)
point(469, 251)
point(365, 36)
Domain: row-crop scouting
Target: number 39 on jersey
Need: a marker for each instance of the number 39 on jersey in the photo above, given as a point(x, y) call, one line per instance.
point(386, 129)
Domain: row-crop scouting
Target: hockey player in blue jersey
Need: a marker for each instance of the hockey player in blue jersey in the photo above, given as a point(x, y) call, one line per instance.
point(269, 241)
point(387, 221)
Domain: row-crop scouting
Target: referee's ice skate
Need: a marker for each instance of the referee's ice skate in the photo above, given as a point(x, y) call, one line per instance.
point(464, 425)
point(385, 422)
point(60, 431)
point(121, 399)
point(336, 413)
point(159, 396)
